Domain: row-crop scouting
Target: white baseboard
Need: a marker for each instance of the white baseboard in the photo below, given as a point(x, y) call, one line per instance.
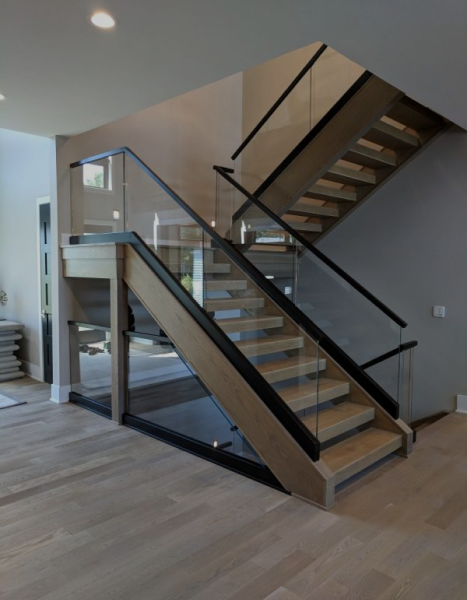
point(32, 370)
point(462, 404)
point(59, 393)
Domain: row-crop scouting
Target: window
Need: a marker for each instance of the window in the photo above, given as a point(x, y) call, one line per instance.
point(98, 174)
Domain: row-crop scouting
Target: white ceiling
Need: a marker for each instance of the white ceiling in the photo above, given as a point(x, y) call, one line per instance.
point(63, 76)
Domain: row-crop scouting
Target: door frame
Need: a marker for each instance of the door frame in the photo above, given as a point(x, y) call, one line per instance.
point(39, 201)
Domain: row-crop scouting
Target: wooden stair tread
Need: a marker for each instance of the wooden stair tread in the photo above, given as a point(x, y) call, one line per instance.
point(207, 267)
point(338, 419)
point(330, 194)
point(367, 157)
point(348, 176)
point(388, 136)
point(308, 210)
point(304, 226)
point(269, 344)
point(213, 304)
point(359, 452)
point(293, 366)
point(226, 284)
point(304, 395)
point(281, 250)
point(237, 324)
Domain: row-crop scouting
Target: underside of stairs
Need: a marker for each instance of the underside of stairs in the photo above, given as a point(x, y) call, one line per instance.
point(356, 152)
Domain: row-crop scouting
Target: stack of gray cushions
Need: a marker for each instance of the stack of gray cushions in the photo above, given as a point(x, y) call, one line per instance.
point(9, 364)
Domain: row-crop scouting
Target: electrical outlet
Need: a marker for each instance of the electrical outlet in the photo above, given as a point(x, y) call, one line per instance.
point(439, 311)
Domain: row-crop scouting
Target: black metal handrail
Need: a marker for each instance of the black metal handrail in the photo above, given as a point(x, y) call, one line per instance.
point(334, 351)
point(311, 248)
point(390, 354)
point(280, 100)
point(320, 125)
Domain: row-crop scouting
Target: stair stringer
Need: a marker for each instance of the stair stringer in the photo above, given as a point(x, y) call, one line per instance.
point(312, 481)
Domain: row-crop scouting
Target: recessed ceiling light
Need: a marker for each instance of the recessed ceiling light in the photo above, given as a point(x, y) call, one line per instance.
point(2, 97)
point(102, 20)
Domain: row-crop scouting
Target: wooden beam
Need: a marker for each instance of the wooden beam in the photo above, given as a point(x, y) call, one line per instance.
point(93, 261)
point(119, 347)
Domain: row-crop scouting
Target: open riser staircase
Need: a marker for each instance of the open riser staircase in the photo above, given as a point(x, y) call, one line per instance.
point(354, 430)
point(372, 132)
point(364, 167)
point(306, 407)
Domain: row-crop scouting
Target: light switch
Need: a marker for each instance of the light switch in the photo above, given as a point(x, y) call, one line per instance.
point(439, 311)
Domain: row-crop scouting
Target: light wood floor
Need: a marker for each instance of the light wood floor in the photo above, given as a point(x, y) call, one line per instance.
point(93, 511)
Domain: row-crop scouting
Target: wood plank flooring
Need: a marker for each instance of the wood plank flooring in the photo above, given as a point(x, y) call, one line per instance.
point(93, 511)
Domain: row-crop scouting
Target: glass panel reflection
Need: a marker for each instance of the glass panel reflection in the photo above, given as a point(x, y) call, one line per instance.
point(91, 368)
point(164, 390)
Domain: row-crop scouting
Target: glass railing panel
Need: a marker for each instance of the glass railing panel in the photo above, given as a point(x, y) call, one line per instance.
point(273, 343)
point(166, 227)
point(332, 75)
point(91, 362)
point(342, 312)
point(345, 315)
point(387, 374)
point(312, 97)
point(164, 390)
point(277, 137)
point(97, 197)
point(228, 201)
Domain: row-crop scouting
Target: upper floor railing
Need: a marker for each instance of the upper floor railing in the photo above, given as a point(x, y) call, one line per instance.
point(319, 91)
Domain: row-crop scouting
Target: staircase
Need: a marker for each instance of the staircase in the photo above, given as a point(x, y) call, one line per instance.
point(313, 416)
point(355, 431)
point(371, 133)
point(388, 144)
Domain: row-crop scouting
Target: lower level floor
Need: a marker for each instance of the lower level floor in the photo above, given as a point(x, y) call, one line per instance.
point(91, 510)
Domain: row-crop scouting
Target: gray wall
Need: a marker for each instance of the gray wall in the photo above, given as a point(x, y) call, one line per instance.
point(24, 177)
point(408, 245)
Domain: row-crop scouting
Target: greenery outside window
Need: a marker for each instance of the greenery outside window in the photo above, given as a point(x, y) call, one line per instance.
point(98, 174)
